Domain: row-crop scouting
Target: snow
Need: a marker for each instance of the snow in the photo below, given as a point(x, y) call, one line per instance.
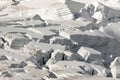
point(59, 39)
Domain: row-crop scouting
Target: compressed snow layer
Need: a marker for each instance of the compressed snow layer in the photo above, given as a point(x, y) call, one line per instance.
point(40, 3)
point(59, 39)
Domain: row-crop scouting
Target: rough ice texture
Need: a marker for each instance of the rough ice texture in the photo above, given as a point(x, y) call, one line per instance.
point(59, 39)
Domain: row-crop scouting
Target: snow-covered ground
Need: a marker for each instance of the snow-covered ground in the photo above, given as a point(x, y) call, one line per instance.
point(59, 39)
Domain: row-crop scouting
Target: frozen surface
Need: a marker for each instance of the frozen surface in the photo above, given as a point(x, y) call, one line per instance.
point(59, 39)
